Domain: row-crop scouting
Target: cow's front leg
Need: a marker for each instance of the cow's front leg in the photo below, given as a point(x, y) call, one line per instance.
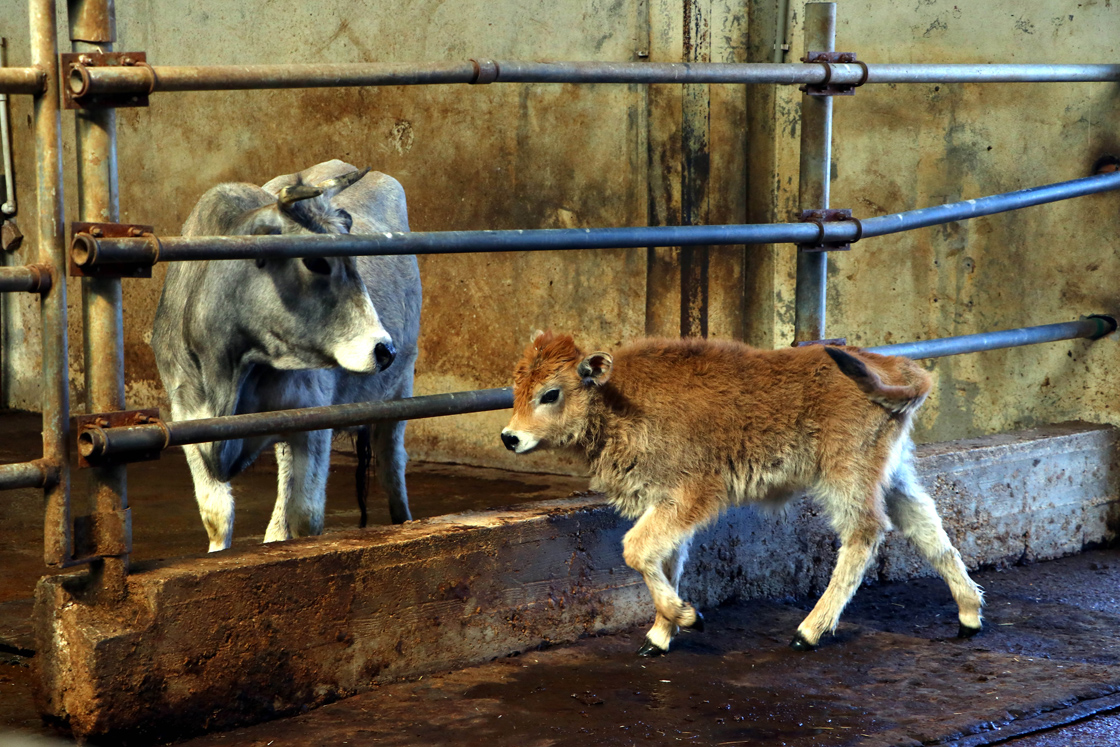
point(278, 530)
point(215, 500)
point(388, 444)
point(301, 499)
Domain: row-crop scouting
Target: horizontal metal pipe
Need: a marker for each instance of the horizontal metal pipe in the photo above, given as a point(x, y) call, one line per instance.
point(145, 79)
point(29, 278)
point(97, 443)
point(1001, 203)
point(35, 474)
point(105, 444)
point(30, 80)
point(1090, 328)
point(88, 251)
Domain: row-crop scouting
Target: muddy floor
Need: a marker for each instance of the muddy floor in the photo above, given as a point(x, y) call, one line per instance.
point(1045, 673)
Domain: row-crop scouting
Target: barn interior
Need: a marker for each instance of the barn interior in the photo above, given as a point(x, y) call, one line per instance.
point(505, 613)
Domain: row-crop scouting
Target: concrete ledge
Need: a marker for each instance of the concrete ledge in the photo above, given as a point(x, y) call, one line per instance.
point(227, 639)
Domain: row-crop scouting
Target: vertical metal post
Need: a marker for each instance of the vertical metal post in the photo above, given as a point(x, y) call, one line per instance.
point(695, 172)
point(93, 29)
point(816, 171)
point(52, 252)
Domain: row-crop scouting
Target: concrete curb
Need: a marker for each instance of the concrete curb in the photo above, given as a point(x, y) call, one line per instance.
point(243, 636)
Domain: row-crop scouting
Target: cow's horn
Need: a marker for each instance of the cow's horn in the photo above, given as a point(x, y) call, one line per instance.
point(289, 195)
point(331, 187)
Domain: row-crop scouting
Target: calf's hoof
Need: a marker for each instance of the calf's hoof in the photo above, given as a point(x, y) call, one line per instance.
point(697, 625)
point(801, 643)
point(649, 650)
point(966, 632)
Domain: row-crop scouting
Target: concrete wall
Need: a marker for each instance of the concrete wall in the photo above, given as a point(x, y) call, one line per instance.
point(514, 156)
point(297, 624)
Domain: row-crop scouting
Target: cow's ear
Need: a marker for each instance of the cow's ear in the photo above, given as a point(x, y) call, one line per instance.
point(261, 222)
point(596, 369)
point(344, 219)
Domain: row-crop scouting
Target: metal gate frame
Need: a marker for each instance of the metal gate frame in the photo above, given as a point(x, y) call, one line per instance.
point(93, 79)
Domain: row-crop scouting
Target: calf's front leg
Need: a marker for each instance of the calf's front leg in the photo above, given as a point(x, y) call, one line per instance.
point(655, 544)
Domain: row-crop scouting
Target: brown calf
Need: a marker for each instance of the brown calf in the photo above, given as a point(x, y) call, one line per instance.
point(676, 431)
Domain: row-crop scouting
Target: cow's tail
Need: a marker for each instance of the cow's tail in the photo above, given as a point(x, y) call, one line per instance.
point(364, 448)
point(897, 399)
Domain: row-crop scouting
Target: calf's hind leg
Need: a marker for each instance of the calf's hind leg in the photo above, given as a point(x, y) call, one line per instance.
point(913, 512)
point(861, 525)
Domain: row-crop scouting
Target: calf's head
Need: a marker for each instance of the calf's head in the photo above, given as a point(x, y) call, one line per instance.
point(316, 311)
point(554, 385)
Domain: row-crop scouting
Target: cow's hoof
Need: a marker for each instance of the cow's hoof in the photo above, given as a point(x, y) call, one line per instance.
point(801, 643)
point(649, 650)
point(966, 632)
point(697, 625)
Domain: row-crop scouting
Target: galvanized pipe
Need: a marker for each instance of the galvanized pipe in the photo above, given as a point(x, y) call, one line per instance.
point(110, 443)
point(97, 443)
point(144, 79)
point(27, 278)
point(93, 29)
point(1090, 328)
point(88, 251)
point(27, 80)
point(9, 207)
point(810, 294)
point(58, 539)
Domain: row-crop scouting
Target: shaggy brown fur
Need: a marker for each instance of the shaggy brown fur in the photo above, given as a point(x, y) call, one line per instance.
point(675, 431)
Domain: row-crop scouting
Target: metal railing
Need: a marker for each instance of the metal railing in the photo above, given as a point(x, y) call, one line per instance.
point(92, 30)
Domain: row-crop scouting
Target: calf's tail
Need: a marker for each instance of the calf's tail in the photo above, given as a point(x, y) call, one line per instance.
point(896, 399)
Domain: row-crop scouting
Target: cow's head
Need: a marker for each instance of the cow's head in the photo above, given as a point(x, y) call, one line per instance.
point(321, 314)
point(553, 386)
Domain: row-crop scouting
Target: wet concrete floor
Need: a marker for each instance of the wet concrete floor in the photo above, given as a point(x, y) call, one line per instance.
point(1046, 671)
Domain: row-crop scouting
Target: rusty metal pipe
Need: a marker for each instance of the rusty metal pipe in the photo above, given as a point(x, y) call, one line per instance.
point(810, 293)
point(36, 474)
point(27, 80)
point(100, 443)
point(144, 79)
point(92, 26)
point(88, 251)
point(27, 278)
point(47, 125)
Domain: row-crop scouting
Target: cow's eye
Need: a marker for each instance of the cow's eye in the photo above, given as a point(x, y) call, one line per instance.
point(550, 396)
point(317, 265)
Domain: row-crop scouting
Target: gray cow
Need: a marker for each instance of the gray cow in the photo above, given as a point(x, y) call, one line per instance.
point(243, 336)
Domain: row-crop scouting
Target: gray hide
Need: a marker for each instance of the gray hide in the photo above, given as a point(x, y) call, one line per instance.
point(238, 336)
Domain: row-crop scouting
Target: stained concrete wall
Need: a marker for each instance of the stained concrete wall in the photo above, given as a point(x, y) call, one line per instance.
point(536, 156)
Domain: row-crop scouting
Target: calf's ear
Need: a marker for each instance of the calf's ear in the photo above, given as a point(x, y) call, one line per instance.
point(595, 369)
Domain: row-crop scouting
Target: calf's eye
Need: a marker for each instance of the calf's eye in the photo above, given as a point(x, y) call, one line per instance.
point(550, 396)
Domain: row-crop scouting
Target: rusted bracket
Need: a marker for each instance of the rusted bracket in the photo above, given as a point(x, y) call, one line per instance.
point(91, 432)
point(826, 87)
point(82, 243)
point(74, 70)
point(820, 217)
